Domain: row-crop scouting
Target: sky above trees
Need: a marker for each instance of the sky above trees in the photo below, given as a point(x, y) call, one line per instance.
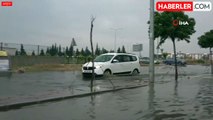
point(46, 22)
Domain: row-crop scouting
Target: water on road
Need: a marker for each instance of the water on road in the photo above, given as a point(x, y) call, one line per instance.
point(190, 99)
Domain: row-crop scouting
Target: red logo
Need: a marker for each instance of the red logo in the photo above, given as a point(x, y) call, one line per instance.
point(174, 6)
point(179, 23)
point(175, 23)
point(6, 3)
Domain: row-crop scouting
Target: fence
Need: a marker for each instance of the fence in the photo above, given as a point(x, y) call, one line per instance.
point(11, 48)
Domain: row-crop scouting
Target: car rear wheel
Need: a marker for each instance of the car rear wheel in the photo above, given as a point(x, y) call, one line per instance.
point(135, 72)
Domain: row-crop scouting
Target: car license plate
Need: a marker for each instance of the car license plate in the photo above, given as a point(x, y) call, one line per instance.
point(87, 71)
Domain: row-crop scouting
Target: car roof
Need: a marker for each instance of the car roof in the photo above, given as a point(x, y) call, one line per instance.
point(119, 54)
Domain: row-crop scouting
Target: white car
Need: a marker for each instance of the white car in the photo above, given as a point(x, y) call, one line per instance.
point(113, 63)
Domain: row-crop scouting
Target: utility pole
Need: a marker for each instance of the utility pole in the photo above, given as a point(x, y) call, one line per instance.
point(115, 30)
point(211, 61)
point(1, 46)
point(151, 43)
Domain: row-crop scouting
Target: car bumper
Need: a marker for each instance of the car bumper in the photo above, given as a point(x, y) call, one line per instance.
point(97, 71)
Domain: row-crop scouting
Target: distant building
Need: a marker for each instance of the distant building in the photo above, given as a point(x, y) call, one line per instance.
point(197, 56)
point(10, 51)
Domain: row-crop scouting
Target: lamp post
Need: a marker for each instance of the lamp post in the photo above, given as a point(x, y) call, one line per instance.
point(115, 30)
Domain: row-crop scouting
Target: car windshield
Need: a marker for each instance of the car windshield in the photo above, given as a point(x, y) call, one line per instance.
point(103, 58)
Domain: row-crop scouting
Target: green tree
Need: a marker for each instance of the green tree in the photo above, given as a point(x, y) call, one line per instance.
point(104, 51)
point(164, 28)
point(67, 51)
point(71, 51)
point(119, 50)
point(97, 50)
point(123, 49)
point(48, 51)
point(206, 41)
point(82, 52)
point(77, 52)
point(53, 50)
point(60, 51)
point(33, 53)
point(87, 52)
point(17, 53)
point(164, 55)
point(42, 52)
point(22, 50)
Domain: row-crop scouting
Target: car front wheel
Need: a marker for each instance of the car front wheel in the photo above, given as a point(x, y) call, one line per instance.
point(107, 73)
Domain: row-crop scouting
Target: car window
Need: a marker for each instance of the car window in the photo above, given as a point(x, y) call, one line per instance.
point(133, 58)
point(126, 58)
point(119, 58)
point(103, 58)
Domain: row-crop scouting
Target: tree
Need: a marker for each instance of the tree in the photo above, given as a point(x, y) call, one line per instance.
point(48, 51)
point(17, 53)
point(33, 53)
point(104, 51)
point(91, 44)
point(97, 50)
point(67, 51)
point(77, 52)
point(164, 28)
point(164, 55)
point(87, 52)
point(123, 49)
point(206, 41)
point(42, 52)
point(53, 50)
point(70, 53)
point(22, 50)
point(119, 50)
point(82, 52)
point(60, 51)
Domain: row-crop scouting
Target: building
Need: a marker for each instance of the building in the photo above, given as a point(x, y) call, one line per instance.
point(10, 51)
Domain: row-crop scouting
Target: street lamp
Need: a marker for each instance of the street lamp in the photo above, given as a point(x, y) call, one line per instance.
point(115, 30)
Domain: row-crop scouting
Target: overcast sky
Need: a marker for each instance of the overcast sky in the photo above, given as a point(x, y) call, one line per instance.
point(46, 22)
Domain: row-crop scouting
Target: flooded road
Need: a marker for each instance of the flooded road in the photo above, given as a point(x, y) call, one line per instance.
point(35, 83)
point(190, 99)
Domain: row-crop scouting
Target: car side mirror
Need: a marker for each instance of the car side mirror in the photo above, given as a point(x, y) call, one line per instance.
point(115, 61)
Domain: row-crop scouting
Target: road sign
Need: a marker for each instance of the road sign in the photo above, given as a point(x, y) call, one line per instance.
point(137, 47)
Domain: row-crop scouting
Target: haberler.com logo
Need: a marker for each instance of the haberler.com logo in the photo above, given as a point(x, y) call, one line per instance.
point(187, 6)
point(6, 3)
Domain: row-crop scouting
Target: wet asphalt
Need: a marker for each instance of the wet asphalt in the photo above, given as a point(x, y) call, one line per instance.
point(191, 98)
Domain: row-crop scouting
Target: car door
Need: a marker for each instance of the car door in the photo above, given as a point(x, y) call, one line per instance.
point(117, 64)
point(127, 64)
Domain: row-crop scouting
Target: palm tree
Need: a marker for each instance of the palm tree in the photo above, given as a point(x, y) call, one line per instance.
point(164, 28)
point(206, 41)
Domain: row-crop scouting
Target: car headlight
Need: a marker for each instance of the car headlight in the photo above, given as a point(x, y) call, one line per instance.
point(99, 66)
